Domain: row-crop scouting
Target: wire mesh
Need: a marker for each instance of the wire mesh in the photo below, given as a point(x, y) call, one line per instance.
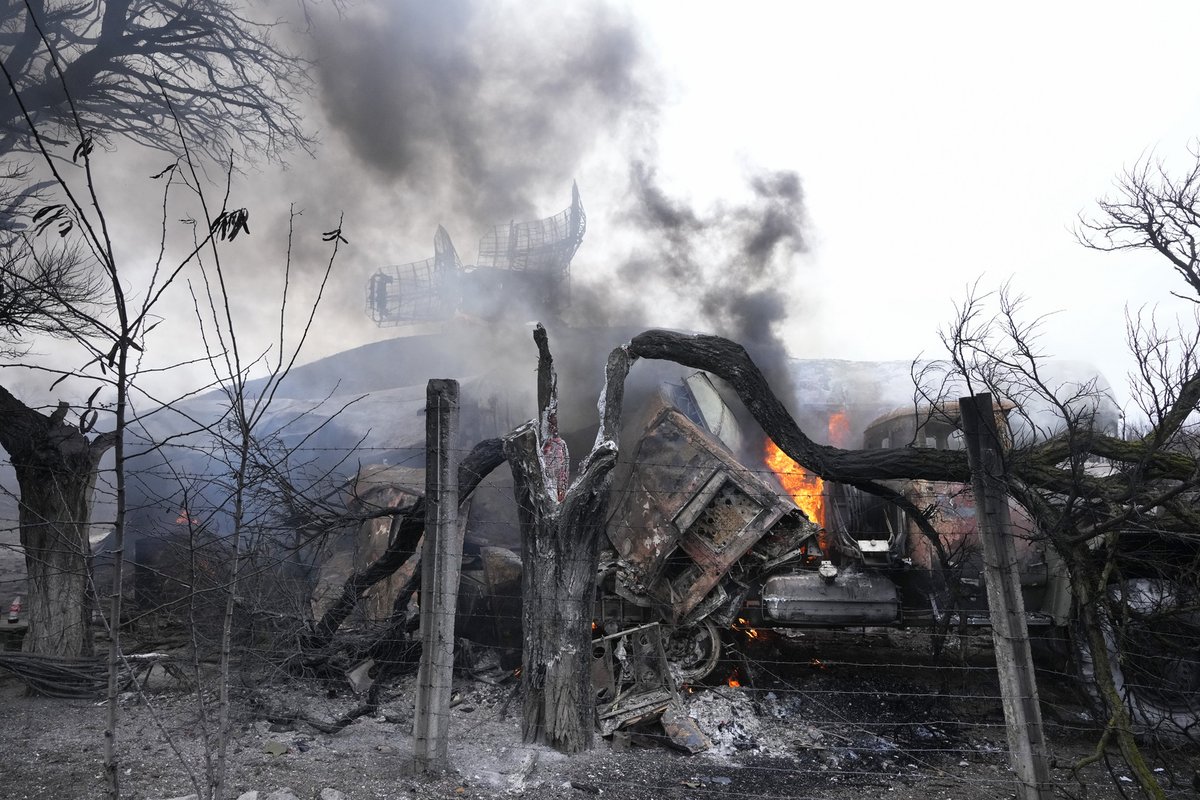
point(544, 245)
point(419, 291)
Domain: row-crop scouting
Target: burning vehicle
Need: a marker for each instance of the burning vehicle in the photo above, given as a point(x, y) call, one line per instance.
point(703, 544)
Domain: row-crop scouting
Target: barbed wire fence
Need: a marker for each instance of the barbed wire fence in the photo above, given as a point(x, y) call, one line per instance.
point(787, 713)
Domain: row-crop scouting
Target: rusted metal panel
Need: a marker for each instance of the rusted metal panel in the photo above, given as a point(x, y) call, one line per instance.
point(690, 513)
point(683, 732)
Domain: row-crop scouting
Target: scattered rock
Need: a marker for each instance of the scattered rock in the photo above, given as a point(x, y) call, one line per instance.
point(396, 716)
point(274, 748)
point(285, 793)
point(585, 787)
point(332, 794)
point(250, 795)
point(683, 732)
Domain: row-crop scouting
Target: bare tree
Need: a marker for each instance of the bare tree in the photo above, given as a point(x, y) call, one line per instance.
point(1151, 209)
point(191, 77)
point(197, 79)
point(39, 287)
point(130, 68)
point(237, 445)
point(1115, 518)
point(56, 464)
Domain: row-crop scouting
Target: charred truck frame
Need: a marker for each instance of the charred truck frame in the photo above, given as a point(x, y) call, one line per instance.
point(701, 544)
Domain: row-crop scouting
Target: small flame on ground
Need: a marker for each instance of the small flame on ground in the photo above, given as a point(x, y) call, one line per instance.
point(817, 663)
point(732, 680)
point(743, 626)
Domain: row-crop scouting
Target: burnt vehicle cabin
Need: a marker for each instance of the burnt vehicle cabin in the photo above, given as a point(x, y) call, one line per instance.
point(713, 527)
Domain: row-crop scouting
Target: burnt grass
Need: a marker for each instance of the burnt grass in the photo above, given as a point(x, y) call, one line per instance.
point(833, 714)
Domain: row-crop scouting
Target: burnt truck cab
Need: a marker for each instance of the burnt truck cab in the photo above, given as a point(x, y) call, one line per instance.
point(942, 577)
point(705, 537)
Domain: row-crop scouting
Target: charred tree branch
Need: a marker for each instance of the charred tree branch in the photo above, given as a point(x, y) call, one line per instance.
point(730, 361)
point(402, 543)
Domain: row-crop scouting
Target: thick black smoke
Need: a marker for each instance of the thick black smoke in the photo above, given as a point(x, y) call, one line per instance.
point(747, 297)
point(471, 114)
point(480, 108)
point(726, 270)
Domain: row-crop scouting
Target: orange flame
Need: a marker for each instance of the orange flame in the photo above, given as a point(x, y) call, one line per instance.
point(806, 489)
point(732, 680)
point(839, 429)
point(742, 626)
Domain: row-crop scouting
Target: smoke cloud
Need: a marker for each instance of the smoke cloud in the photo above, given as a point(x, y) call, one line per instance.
point(477, 107)
point(471, 114)
point(728, 269)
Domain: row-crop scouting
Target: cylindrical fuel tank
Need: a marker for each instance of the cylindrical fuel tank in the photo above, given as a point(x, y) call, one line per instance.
point(850, 598)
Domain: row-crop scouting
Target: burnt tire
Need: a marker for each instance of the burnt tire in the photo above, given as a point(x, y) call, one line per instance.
point(693, 651)
point(1154, 652)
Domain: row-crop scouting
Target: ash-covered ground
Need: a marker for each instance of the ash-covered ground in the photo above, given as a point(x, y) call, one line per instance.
point(831, 714)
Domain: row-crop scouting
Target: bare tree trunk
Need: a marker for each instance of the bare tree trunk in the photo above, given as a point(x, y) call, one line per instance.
point(56, 469)
point(730, 361)
point(122, 380)
point(561, 529)
point(1089, 588)
point(561, 550)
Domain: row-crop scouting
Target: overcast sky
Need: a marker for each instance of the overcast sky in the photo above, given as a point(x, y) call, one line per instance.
point(937, 143)
point(889, 155)
point(934, 143)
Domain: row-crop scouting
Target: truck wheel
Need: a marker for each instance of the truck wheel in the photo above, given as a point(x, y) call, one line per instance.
point(693, 651)
point(1154, 653)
